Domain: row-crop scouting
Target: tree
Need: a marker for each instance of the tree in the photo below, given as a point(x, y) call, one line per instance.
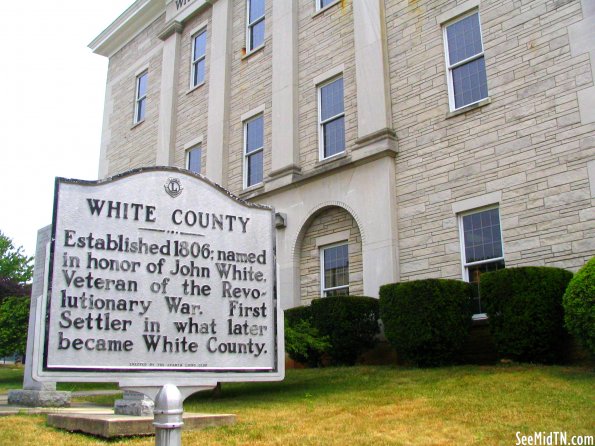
point(16, 269)
point(14, 264)
point(14, 320)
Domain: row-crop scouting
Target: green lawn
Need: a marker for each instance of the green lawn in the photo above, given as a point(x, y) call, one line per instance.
point(11, 377)
point(463, 405)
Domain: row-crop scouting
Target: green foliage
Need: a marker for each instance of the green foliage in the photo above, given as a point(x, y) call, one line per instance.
point(296, 314)
point(14, 265)
point(351, 324)
point(524, 307)
point(14, 320)
point(579, 306)
point(303, 343)
point(426, 321)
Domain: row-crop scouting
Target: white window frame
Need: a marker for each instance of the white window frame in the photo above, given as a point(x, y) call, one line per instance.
point(195, 147)
point(323, 289)
point(464, 264)
point(450, 68)
point(194, 62)
point(321, 123)
point(249, 25)
point(248, 155)
point(138, 99)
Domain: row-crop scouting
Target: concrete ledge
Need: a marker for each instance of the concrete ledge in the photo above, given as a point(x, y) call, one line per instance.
point(109, 425)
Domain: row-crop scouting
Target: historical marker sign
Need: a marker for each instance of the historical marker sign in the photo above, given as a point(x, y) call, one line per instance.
point(160, 271)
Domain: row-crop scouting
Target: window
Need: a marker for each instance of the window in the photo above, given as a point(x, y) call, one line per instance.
point(199, 50)
point(140, 104)
point(255, 24)
point(253, 150)
point(481, 248)
point(320, 4)
point(467, 81)
point(334, 260)
point(331, 118)
point(193, 156)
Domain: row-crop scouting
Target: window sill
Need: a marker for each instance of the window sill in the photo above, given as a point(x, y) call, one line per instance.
point(252, 190)
point(136, 124)
point(254, 51)
point(196, 87)
point(466, 108)
point(331, 159)
point(322, 10)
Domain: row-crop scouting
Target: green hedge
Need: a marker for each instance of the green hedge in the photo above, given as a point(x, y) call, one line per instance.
point(427, 321)
point(524, 307)
point(579, 306)
point(340, 328)
point(351, 324)
point(303, 342)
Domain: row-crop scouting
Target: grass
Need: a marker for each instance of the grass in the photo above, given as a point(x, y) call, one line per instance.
point(11, 377)
point(464, 405)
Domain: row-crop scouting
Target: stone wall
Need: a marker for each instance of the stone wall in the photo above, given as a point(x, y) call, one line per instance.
point(329, 221)
point(251, 79)
point(192, 102)
point(128, 145)
point(325, 41)
point(528, 144)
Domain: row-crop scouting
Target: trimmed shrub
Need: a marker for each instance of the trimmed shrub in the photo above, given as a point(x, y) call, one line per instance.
point(303, 342)
point(351, 324)
point(524, 307)
point(579, 306)
point(297, 314)
point(427, 321)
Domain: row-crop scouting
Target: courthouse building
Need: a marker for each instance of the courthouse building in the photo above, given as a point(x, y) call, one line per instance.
point(396, 139)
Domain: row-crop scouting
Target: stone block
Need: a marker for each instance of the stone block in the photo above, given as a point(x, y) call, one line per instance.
point(39, 398)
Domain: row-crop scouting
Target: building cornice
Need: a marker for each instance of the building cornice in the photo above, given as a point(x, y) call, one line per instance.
point(127, 26)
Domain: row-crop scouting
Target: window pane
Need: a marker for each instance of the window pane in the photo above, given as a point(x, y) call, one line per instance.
point(254, 134)
point(194, 160)
point(142, 85)
point(257, 35)
point(200, 45)
point(256, 10)
point(323, 3)
point(464, 39)
point(336, 266)
point(475, 273)
point(334, 137)
point(470, 82)
point(331, 99)
point(482, 237)
point(254, 175)
point(340, 292)
point(140, 111)
point(199, 73)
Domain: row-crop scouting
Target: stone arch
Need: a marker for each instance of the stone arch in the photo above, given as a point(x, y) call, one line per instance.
point(297, 239)
point(327, 224)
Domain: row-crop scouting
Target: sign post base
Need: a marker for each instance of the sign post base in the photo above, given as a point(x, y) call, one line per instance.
point(169, 409)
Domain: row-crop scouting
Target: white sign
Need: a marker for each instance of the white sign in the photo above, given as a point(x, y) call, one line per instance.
point(159, 270)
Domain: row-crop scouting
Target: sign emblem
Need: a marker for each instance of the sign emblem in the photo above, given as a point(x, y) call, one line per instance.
point(173, 187)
